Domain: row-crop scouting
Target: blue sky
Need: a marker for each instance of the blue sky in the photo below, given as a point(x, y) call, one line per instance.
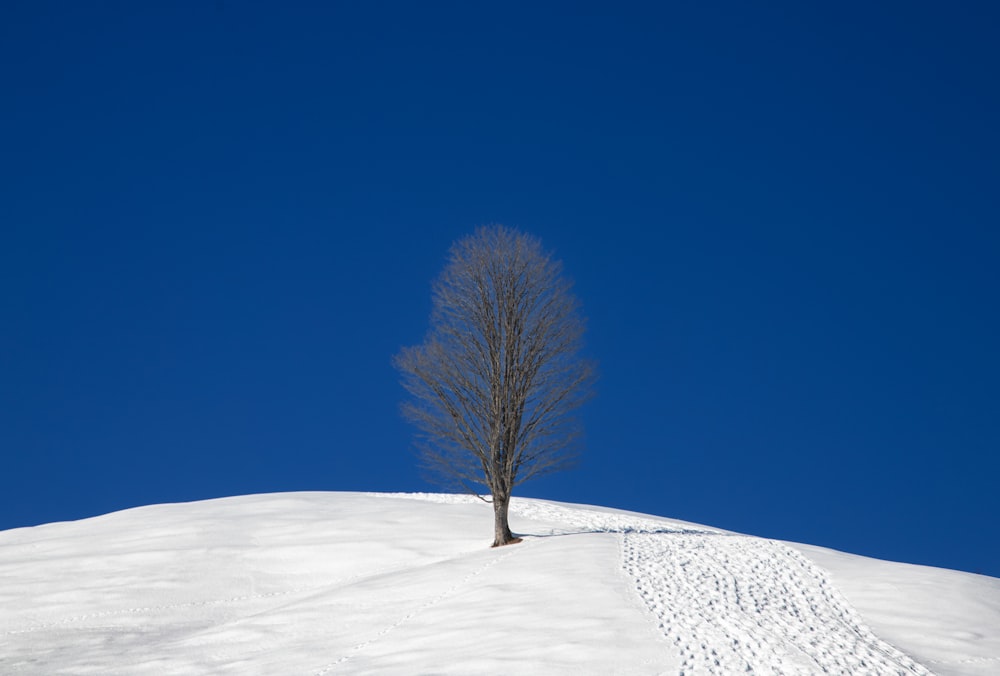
point(218, 222)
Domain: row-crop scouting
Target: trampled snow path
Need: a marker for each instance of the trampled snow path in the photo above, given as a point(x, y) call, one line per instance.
point(733, 604)
point(730, 603)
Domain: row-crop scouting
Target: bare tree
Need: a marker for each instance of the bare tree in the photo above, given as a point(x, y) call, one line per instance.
point(498, 378)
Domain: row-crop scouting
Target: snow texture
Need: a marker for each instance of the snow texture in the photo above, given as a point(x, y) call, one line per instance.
point(330, 583)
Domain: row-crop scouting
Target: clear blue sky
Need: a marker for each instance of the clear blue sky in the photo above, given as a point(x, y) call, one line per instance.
point(219, 221)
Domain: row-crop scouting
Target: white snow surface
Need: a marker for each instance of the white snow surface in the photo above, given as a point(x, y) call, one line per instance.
point(329, 583)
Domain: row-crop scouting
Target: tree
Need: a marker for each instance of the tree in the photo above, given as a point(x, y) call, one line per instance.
point(498, 378)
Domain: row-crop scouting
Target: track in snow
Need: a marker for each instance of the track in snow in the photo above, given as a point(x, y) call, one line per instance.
point(476, 571)
point(736, 604)
point(731, 604)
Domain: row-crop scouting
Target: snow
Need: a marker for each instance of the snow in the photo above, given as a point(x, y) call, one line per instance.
point(329, 583)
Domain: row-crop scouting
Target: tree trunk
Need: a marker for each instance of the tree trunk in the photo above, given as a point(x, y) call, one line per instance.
point(501, 528)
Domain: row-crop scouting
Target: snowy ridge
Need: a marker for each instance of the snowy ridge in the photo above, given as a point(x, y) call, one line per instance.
point(731, 603)
point(573, 519)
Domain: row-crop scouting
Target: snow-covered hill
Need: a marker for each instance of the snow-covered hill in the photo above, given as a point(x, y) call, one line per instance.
point(326, 583)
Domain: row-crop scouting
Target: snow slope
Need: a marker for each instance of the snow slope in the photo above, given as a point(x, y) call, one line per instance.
point(327, 583)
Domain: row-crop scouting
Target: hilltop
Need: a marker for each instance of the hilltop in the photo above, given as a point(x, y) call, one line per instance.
point(324, 583)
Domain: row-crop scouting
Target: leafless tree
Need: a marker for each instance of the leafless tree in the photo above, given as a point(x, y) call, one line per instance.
point(498, 378)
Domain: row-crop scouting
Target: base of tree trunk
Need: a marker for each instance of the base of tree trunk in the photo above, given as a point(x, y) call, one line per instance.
point(512, 541)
